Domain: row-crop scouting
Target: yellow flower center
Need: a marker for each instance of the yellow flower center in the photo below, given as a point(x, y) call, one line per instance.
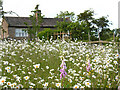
point(87, 83)
point(26, 78)
point(75, 86)
point(36, 66)
point(11, 85)
point(2, 81)
point(57, 84)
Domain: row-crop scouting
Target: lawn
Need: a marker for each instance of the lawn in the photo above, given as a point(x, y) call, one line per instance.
point(37, 64)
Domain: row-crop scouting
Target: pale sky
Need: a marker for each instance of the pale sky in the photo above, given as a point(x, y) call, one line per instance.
point(50, 8)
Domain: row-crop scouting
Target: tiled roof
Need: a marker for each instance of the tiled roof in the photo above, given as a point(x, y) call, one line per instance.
point(20, 21)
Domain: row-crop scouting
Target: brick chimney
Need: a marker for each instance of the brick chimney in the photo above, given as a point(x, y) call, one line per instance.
point(37, 12)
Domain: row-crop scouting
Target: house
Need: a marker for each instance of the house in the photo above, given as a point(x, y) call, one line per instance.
point(13, 26)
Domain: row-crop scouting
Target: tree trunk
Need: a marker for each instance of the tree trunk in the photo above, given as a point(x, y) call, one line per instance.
point(89, 36)
point(99, 35)
point(113, 36)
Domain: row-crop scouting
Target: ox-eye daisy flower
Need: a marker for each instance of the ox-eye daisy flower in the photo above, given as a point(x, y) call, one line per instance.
point(36, 65)
point(47, 67)
point(46, 84)
point(58, 85)
point(8, 83)
point(12, 86)
point(31, 86)
point(2, 80)
point(75, 86)
point(7, 68)
point(70, 80)
point(17, 87)
point(87, 84)
point(115, 62)
point(26, 77)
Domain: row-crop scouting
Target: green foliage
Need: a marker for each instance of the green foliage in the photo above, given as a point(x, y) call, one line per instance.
point(63, 25)
point(47, 32)
point(86, 27)
point(66, 14)
point(36, 22)
point(87, 16)
point(106, 34)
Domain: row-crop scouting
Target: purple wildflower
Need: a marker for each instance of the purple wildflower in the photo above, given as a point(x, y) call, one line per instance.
point(62, 70)
point(63, 73)
point(88, 67)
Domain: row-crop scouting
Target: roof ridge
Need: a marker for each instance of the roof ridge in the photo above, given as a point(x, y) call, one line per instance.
point(28, 17)
point(20, 21)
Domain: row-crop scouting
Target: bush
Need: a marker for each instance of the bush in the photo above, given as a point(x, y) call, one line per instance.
point(47, 33)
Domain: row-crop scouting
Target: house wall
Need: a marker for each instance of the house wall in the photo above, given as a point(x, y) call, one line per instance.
point(10, 31)
point(5, 27)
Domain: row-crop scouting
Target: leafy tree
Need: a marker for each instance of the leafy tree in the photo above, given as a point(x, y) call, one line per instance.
point(102, 23)
point(117, 34)
point(63, 25)
point(106, 34)
point(86, 16)
point(78, 28)
point(36, 20)
point(66, 14)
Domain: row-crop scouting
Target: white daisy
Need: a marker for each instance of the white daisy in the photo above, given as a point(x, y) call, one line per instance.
point(58, 85)
point(75, 86)
point(8, 83)
point(36, 65)
point(47, 67)
point(26, 77)
point(88, 84)
point(46, 84)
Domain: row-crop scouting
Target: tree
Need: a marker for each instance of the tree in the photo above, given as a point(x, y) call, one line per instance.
point(68, 17)
point(66, 14)
point(78, 28)
point(106, 34)
point(1, 7)
point(36, 20)
point(102, 23)
point(86, 16)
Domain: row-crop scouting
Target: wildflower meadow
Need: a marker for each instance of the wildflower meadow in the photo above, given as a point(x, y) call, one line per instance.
point(58, 64)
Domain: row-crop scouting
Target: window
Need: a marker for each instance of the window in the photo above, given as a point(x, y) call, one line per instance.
point(20, 33)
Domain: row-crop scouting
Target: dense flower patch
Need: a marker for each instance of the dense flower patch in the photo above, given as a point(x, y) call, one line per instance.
point(38, 64)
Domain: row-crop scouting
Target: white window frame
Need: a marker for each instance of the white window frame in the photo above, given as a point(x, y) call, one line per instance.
point(19, 32)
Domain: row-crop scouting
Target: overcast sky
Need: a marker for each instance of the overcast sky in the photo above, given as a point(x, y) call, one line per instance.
point(50, 8)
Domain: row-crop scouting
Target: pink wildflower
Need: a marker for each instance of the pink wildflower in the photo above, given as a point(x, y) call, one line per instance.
point(88, 68)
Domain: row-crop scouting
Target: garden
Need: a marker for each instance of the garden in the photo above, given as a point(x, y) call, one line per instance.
point(58, 64)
